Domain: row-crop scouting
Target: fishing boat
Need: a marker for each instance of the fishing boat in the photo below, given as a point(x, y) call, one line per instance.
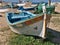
point(27, 6)
point(3, 7)
point(28, 23)
point(3, 10)
point(21, 4)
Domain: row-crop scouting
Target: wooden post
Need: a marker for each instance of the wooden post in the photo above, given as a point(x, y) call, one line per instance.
point(49, 2)
point(44, 22)
point(20, 1)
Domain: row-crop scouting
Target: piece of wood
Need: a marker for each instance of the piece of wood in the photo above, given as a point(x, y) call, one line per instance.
point(44, 26)
point(29, 22)
point(44, 22)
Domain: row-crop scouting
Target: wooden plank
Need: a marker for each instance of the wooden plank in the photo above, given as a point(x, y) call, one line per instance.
point(44, 26)
point(34, 20)
point(44, 22)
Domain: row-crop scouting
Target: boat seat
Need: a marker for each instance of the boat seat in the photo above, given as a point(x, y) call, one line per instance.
point(12, 20)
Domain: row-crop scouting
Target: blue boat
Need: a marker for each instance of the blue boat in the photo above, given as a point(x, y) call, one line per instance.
point(26, 9)
point(26, 23)
point(20, 17)
point(27, 6)
point(33, 6)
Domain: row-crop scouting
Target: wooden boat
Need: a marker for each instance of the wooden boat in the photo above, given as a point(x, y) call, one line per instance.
point(27, 6)
point(28, 23)
point(3, 10)
point(22, 4)
point(3, 7)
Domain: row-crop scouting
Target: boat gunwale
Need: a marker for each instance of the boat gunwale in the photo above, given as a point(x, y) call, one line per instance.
point(20, 22)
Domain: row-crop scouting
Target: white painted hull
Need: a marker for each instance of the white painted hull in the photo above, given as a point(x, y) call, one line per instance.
point(21, 4)
point(3, 10)
point(30, 29)
point(35, 27)
point(33, 5)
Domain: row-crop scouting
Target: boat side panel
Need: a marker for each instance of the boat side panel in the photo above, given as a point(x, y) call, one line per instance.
point(34, 29)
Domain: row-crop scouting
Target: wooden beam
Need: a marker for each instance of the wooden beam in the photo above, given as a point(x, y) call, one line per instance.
point(44, 22)
point(49, 2)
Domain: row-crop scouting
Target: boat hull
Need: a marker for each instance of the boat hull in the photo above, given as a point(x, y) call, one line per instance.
point(34, 26)
point(26, 8)
point(35, 29)
point(3, 10)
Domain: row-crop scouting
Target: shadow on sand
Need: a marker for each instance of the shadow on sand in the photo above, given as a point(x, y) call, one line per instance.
point(53, 36)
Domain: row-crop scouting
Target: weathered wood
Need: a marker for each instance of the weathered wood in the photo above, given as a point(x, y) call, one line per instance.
point(44, 22)
point(34, 20)
point(49, 2)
